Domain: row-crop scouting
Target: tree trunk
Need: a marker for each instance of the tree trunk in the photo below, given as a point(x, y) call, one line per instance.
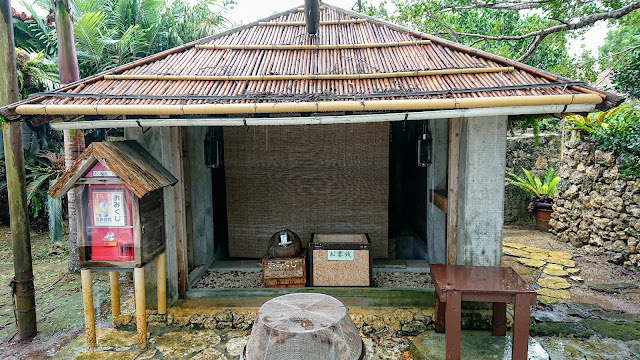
point(73, 145)
point(22, 284)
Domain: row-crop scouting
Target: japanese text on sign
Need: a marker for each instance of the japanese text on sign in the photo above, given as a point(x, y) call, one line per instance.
point(283, 268)
point(345, 255)
point(108, 208)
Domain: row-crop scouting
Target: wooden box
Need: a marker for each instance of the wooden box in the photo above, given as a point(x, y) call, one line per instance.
point(147, 230)
point(118, 188)
point(285, 272)
point(340, 260)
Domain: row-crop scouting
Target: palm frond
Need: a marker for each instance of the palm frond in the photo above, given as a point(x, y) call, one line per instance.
point(54, 210)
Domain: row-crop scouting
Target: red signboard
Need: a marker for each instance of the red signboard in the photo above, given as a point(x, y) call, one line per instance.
point(110, 225)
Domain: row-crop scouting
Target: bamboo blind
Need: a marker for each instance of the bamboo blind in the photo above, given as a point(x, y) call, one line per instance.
point(309, 179)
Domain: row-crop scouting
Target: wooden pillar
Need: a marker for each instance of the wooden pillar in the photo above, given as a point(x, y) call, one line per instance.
point(22, 283)
point(161, 276)
point(89, 314)
point(180, 211)
point(141, 307)
point(115, 292)
point(452, 191)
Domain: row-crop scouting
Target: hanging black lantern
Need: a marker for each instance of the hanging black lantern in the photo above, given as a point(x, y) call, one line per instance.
point(211, 151)
point(424, 150)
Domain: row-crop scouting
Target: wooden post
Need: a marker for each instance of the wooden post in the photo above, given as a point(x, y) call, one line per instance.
point(180, 212)
point(161, 276)
point(22, 283)
point(452, 191)
point(115, 292)
point(89, 315)
point(141, 307)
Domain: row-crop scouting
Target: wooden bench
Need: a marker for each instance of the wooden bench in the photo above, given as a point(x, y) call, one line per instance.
point(499, 285)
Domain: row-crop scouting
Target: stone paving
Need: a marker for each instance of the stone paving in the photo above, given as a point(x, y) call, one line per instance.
point(545, 269)
point(201, 345)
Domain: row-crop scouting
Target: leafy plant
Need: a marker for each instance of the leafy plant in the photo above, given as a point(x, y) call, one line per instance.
point(36, 73)
point(542, 191)
point(616, 130)
point(43, 170)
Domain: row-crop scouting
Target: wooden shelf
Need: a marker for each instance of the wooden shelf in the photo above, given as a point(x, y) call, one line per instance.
point(439, 198)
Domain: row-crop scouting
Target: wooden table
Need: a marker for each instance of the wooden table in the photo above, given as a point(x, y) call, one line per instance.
point(499, 285)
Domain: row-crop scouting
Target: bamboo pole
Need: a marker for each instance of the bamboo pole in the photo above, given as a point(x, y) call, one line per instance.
point(305, 107)
point(302, 23)
point(89, 312)
point(311, 47)
point(115, 292)
point(161, 277)
point(141, 307)
point(320, 120)
point(310, 76)
point(22, 283)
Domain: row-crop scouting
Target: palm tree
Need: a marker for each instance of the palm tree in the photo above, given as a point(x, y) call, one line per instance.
point(73, 142)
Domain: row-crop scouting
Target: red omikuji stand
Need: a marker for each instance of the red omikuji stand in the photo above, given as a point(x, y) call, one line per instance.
point(120, 214)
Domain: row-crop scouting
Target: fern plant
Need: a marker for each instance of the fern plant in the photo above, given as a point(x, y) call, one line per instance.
point(43, 170)
point(615, 130)
point(541, 191)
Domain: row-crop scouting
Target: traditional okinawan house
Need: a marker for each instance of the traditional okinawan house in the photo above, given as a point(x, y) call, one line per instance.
point(330, 122)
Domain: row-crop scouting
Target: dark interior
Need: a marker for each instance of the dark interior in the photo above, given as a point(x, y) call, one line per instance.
point(407, 193)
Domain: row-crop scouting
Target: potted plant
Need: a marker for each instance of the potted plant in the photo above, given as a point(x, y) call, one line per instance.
point(542, 193)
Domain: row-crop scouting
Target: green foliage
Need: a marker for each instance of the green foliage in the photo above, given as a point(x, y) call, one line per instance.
point(447, 18)
point(621, 55)
point(110, 33)
point(541, 191)
point(36, 74)
point(616, 130)
point(42, 171)
point(627, 77)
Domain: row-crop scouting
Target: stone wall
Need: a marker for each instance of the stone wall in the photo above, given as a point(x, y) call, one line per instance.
point(522, 152)
point(400, 322)
point(594, 208)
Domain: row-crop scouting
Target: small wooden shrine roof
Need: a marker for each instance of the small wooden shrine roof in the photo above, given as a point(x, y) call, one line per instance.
point(131, 163)
point(274, 62)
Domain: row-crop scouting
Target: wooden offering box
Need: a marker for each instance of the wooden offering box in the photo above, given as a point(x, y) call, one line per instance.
point(340, 260)
point(285, 272)
point(120, 208)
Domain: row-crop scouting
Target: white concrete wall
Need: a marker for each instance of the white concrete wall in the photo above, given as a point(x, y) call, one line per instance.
point(481, 195)
point(437, 179)
point(156, 141)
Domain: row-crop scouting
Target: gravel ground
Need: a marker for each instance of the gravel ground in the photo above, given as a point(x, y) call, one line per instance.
point(246, 280)
point(402, 280)
point(230, 280)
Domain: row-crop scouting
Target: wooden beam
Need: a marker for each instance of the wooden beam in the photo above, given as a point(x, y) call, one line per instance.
point(186, 168)
point(453, 152)
point(89, 311)
point(180, 210)
point(115, 292)
point(161, 279)
point(141, 307)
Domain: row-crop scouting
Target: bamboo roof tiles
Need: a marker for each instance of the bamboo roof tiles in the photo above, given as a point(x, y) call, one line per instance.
point(353, 57)
point(127, 159)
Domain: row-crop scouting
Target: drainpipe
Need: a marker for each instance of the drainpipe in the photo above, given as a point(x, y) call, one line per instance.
point(312, 15)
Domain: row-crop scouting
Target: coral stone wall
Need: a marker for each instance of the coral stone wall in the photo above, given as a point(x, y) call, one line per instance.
point(594, 208)
point(522, 152)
